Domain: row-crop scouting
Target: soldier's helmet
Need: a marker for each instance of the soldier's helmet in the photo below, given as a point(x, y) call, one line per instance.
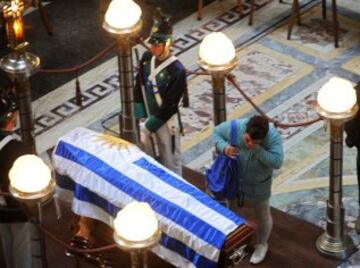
point(161, 31)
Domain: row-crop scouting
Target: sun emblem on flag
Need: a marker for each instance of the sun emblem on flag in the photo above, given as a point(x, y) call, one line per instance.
point(154, 29)
point(112, 141)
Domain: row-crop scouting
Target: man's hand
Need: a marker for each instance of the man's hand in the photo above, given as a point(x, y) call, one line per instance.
point(250, 143)
point(231, 151)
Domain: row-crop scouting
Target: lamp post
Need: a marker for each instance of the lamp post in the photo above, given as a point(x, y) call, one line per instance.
point(217, 56)
point(31, 184)
point(122, 19)
point(136, 231)
point(19, 66)
point(336, 103)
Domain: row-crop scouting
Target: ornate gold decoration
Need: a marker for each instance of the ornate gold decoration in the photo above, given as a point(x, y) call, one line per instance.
point(112, 141)
point(12, 14)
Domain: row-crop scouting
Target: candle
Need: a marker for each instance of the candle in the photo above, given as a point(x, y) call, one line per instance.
point(14, 23)
point(18, 30)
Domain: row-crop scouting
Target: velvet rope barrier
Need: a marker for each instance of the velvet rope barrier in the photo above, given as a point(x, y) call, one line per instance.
point(82, 65)
point(231, 79)
point(102, 53)
point(197, 73)
point(75, 250)
point(77, 69)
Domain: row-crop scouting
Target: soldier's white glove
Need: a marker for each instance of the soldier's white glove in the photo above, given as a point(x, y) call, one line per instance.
point(143, 128)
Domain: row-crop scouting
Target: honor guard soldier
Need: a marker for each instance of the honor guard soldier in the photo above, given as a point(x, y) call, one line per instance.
point(160, 85)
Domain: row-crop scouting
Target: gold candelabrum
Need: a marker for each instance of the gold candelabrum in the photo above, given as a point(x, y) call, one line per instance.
point(12, 15)
point(19, 66)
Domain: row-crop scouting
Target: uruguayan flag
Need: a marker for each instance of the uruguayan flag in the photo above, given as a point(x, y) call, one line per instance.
point(100, 174)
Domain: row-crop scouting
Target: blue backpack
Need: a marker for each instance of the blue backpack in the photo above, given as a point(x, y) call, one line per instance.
point(224, 178)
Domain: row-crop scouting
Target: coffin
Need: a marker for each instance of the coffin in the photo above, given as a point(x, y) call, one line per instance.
point(100, 174)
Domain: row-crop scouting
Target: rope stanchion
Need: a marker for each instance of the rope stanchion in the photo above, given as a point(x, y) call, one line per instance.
point(78, 90)
point(79, 67)
point(231, 79)
point(197, 73)
point(75, 250)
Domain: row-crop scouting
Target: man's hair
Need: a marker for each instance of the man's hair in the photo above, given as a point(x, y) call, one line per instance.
point(257, 127)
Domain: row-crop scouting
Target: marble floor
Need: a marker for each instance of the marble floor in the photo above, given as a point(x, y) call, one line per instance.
point(282, 77)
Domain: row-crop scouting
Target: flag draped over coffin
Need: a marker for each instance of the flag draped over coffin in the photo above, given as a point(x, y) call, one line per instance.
point(100, 174)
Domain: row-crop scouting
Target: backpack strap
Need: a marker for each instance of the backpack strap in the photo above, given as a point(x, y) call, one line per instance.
point(233, 133)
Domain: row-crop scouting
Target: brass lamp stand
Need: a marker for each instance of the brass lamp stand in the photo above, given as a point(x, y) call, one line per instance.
point(334, 242)
point(137, 250)
point(21, 187)
point(217, 56)
point(218, 73)
point(124, 35)
point(32, 204)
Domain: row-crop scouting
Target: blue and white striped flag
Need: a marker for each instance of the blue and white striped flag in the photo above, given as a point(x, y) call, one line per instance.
point(100, 174)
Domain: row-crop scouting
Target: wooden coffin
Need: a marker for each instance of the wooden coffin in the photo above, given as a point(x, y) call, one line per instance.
point(236, 246)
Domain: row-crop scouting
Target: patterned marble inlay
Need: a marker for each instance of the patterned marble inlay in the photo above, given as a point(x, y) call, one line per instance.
point(318, 34)
point(353, 65)
point(311, 206)
point(315, 35)
point(69, 108)
point(299, 112)
point(260, 72)
point(194, 37)
point(299, 108)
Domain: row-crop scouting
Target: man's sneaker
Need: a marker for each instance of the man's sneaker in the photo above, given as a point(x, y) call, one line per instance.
point(259, 253)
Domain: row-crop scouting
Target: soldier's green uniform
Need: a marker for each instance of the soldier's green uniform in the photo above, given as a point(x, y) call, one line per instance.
point(164, 83)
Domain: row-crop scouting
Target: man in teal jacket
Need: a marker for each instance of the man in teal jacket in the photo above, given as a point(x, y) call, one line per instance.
point(260, 149)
